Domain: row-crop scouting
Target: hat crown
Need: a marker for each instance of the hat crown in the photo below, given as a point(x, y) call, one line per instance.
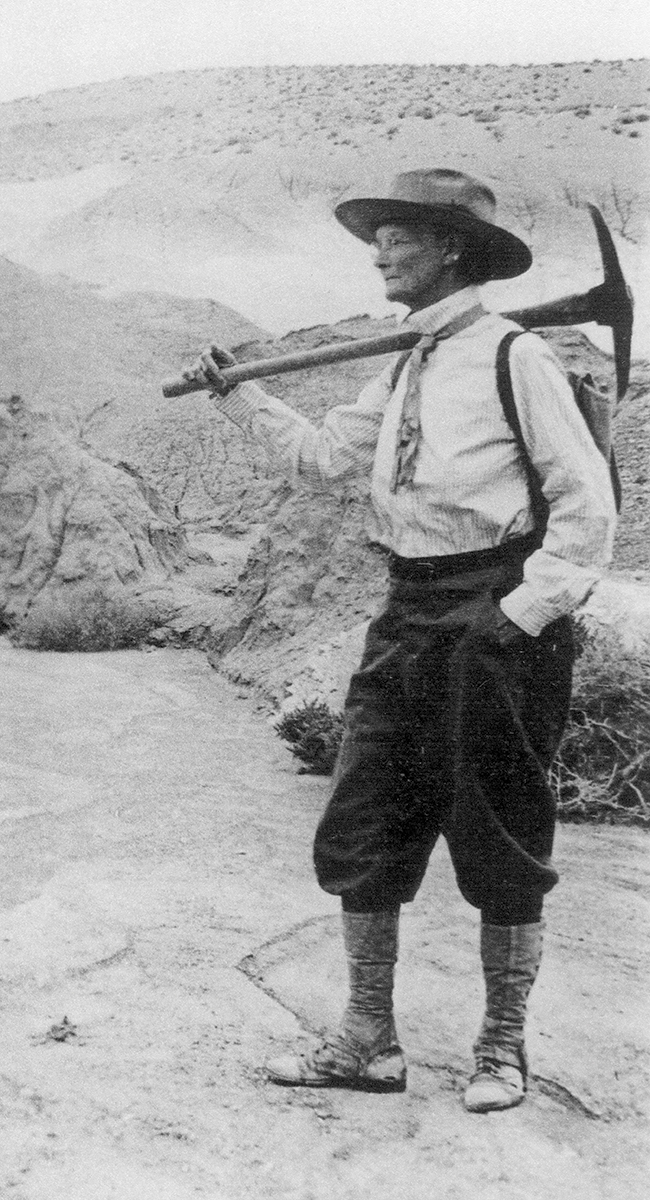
point(440, 188)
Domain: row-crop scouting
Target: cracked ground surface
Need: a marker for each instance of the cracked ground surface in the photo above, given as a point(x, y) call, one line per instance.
point(156, 892)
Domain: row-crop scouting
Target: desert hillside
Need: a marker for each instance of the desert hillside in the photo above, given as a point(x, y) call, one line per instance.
point(221, 183)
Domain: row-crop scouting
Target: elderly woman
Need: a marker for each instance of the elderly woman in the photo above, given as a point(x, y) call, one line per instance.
point(456, 711)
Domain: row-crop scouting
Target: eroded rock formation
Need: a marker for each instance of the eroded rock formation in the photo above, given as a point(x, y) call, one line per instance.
point(67, 519)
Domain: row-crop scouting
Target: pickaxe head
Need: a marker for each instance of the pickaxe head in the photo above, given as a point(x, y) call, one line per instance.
point(610, 303)
point(614, 302)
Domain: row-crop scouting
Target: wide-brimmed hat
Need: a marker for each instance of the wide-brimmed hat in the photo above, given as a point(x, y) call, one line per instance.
point(442, 196)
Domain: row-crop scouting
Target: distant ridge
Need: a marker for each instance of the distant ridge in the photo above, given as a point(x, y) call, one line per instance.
point(186, 112)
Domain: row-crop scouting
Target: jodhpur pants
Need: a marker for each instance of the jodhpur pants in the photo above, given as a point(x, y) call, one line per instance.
point(448, 733)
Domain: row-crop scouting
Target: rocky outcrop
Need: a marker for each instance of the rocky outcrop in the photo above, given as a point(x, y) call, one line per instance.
point(69, 519)
point(313, 575)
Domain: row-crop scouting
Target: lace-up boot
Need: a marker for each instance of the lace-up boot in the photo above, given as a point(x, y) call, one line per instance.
point(510, 955)
point(365, 1053)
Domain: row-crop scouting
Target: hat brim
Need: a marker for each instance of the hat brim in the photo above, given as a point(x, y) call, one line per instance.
point(504, 254)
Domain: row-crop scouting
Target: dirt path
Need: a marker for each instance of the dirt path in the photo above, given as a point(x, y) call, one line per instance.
point(157, 891)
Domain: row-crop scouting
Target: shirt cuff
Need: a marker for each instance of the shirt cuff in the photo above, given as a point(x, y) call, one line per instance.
point(522, 607)
point(241, 403)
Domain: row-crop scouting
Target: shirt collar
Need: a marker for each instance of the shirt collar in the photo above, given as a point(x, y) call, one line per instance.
point(436, 316)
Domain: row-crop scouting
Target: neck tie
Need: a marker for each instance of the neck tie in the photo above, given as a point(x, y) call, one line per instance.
point(409, 434)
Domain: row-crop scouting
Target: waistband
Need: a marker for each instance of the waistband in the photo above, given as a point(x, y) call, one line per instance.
point(515, 549)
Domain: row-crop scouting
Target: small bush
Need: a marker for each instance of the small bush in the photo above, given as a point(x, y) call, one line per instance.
point(314, 735)
point(86, 618)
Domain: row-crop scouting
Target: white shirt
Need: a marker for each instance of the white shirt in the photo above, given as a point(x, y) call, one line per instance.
point(470, 489)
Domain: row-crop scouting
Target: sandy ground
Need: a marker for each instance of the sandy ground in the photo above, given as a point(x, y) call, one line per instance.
point(157, 892)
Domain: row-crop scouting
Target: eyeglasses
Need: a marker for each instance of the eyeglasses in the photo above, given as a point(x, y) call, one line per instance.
point(390, 243)
point(416, 239)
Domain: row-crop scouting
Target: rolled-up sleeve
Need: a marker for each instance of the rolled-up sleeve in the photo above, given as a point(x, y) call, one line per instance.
point(575, 481)
point(344, 445)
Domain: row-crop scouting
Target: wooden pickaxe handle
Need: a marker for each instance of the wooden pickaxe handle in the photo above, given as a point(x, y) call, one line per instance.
point(332, 353)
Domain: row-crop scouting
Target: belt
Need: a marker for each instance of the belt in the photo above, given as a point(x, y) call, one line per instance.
point(472, 560)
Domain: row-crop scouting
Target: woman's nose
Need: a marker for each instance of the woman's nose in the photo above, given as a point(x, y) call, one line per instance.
point(381, 256)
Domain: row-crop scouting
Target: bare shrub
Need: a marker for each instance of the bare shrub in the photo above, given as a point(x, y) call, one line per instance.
point(527, 206)
point(624, 208)
point(87, 618)
point(301, 185)
point(602, 772)
point(572, 194)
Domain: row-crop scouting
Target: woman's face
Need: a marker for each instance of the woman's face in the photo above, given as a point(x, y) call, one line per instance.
point(416, 264)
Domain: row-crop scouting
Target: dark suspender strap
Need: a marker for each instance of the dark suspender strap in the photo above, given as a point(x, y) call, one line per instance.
point(539, 504)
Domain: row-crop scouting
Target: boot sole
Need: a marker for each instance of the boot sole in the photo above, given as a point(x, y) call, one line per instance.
point(354, 1085)
point(492, 1107)
point(495, 1107)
